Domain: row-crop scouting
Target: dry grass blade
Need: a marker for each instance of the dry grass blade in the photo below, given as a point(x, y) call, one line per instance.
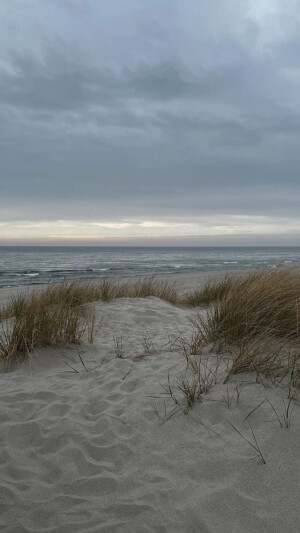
point(254, 445)
point(190, 389)
point(287, 413)
point(73, 369)
point(147, 343)
point(129, 372)
point(81, 360)
point(119, 347)
point(255, 409)
point(116, 418)
point(229, 397)
point(169, 392)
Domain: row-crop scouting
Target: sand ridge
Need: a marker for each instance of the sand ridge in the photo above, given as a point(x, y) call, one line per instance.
point(86, 452)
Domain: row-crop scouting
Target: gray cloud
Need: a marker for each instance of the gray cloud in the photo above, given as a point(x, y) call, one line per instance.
point(159, 109)
point(60, 84)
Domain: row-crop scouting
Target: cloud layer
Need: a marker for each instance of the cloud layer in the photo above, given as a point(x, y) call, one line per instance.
point(166, 118)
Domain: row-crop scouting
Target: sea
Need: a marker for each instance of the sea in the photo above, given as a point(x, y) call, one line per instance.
point(25, 265)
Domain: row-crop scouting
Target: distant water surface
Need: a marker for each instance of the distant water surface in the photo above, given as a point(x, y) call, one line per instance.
point(31, 265)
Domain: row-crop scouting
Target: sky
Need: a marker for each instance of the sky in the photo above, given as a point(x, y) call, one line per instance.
point(150, 122)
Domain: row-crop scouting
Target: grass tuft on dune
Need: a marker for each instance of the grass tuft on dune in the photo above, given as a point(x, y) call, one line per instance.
point(30, 321)
point(254, 316)
point(61, 314)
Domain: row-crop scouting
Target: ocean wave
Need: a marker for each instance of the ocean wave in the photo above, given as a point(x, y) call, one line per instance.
point(37, 268)
point(67, 271)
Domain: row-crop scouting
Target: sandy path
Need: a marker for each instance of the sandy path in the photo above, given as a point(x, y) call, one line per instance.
point(85, 452)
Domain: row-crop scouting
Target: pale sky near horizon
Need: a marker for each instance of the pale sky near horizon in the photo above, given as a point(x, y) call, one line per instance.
point(150, 122)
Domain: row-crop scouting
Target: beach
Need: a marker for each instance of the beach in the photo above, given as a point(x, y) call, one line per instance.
point(91, 441)
point(149, 266)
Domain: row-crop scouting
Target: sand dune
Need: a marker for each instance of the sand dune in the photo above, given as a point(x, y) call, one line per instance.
point(86, 452)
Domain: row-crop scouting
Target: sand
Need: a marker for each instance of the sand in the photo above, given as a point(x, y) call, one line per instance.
point(86, 451)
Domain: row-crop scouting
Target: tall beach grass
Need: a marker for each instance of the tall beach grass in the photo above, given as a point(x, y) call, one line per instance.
point(63, 313)
point(255, 316)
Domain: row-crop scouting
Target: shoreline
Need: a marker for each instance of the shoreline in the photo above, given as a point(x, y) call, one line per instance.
point(34, 267)
point(185, 282)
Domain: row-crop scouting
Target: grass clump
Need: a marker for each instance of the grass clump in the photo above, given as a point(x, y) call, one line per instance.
point(259, 302)
point(212, 291)
point(31, 320)
point(78, 293)
point(62, 313)
point(256, 317)
point(144, 287)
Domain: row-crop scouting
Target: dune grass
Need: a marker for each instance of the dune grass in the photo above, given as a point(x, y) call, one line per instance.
point(34, 322)
point(211, 291)
point(255, 316)
point(262, 302)
point(77, 293)
point(60, 314)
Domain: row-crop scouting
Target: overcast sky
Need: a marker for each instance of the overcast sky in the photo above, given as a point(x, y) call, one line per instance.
point(150, 122)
